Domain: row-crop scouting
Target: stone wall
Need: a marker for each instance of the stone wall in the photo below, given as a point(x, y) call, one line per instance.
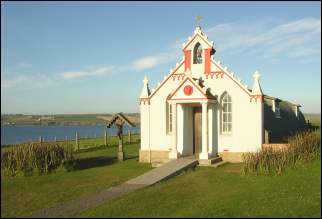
point(156, 156)
point(278, 146)
point(233, 157)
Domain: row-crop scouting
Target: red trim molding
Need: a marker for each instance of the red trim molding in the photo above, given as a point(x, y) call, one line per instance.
point(244, 89)
point(194, 84)
point(145, 100)
point(176, 69)
point(191, 99)
point(255, 97)
point(187, 60)
point(217, 74)
point(207, 60)
point(178, 76)
point(193, 39)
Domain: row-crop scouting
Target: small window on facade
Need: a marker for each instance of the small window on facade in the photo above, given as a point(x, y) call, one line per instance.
point(169, 118)
point(197, 54)
point(226, 114)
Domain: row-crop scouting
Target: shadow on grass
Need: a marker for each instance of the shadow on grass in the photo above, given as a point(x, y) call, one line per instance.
point(131, 157)
point(91, 162)
point(94, 148)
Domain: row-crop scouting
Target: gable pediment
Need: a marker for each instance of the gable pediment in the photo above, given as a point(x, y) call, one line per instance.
point(189, 90)
point(200, 37)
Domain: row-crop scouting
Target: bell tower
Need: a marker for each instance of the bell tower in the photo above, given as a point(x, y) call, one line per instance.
point(197, 53)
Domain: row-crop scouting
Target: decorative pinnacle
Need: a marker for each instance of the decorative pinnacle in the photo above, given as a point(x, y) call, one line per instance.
point(198, 18)
point(256, 75)
point(256, 87)
point(145, 90)
point(145, 80)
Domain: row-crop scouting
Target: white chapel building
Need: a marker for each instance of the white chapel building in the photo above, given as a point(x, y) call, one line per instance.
point(201, 109)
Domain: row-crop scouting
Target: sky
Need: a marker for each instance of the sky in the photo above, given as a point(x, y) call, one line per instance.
point(91, 57)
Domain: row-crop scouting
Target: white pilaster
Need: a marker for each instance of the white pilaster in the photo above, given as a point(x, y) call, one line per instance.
point(204, 152)
point(210, 129)
point(174, 151)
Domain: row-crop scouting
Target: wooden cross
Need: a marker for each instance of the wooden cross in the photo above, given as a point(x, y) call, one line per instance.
point(198, 18)
point(119, 120)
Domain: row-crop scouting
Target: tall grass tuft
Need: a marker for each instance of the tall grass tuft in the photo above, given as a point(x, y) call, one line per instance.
point(43, 158)
point(303, 147)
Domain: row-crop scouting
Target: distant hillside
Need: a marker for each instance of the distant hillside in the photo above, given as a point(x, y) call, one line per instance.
point(62, 119)
point(89, 119)
point(314, 118)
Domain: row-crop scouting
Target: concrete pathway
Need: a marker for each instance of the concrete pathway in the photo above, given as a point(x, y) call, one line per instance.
point(68, 209)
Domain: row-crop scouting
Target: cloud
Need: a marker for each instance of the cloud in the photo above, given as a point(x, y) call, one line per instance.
point(30, 81)
point(152, 61)
point(99, 71)
point(269, 39)
point(24, 65)
point(73, 74)
point(8, 83)
point(298, 39)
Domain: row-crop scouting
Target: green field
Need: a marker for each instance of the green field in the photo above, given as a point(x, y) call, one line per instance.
point(200, 192)
point(96, 169)
point(223, 192)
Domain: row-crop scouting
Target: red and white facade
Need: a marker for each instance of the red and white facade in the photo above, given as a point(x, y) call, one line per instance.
point(231, 114)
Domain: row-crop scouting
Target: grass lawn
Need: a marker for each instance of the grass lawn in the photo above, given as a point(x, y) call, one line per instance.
point(97, 169)
point(201, 192)
point(99, 141)
point(223, 192)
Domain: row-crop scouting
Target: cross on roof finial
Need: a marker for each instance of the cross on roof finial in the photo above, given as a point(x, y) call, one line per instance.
point(256, 75)
point(198, 18)
point(145, 80)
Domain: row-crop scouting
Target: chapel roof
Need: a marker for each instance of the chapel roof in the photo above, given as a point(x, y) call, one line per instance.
point(122, 118)
point(279, 100)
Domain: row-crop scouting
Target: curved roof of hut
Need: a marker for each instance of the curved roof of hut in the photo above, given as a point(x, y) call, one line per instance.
point(121, 117)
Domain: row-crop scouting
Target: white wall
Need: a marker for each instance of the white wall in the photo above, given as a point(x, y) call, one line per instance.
point(159, 139)
point(247, 117)
point(145, 126)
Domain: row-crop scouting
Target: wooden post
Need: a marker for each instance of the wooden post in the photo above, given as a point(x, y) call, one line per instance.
point(266, 137)
point(120, 136)
point(55, 139)
point(105, 138)
point(40, 140)
point(129, 136)
point(77, 143)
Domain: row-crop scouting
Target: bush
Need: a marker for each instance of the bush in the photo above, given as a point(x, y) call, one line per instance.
point(44, 157)
point(303, 147)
